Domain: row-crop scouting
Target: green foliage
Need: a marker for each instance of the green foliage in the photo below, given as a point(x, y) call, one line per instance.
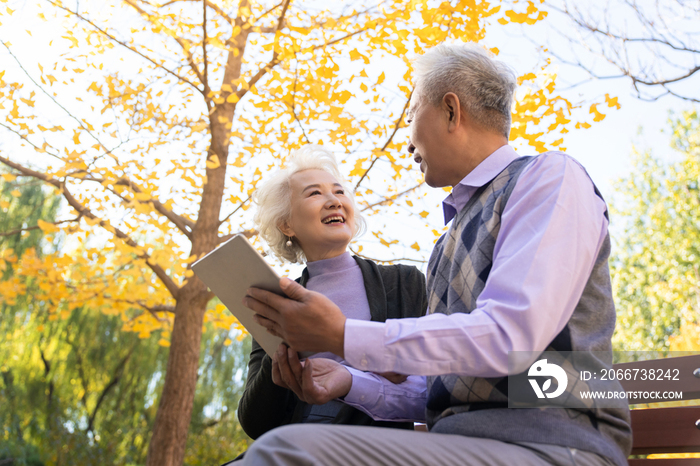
point(215, 435)
point(655, 267)
point(23, 205)
point(82, 391)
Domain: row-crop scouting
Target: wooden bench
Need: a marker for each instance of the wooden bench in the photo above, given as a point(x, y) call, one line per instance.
point(666, 429)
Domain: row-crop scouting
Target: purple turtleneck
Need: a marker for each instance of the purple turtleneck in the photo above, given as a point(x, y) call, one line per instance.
point(340, 279)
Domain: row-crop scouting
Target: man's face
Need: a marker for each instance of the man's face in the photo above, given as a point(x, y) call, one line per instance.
point(427, 141)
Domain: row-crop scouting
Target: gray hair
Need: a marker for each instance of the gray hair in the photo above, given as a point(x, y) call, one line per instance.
point(274, 200)
point(484, 86)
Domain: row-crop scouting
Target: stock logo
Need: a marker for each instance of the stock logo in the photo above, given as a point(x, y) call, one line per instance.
point(543, 369)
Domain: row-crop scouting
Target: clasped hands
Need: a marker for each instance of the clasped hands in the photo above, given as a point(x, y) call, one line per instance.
point(306, 321)
point(315, 380)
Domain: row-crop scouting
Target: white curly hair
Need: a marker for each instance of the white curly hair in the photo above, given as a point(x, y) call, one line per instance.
point(274, 200)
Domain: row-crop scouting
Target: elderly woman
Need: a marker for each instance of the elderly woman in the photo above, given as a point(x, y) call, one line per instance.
point(307, 214)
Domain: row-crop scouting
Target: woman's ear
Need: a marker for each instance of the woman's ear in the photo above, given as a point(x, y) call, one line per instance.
point(286, 229)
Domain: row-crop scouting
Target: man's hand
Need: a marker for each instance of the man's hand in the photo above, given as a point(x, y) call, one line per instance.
point(306, 321)
point(315, 381)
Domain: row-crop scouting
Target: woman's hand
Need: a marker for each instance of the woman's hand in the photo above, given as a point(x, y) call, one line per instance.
point(314, 381)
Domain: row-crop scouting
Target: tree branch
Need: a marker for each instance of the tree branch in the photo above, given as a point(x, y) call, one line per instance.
point(275, 60)
point(340, 39)
point(211, 5)
point(661, 44)
point(180, 41)
point(118, 372)
point(221, 12)
point(184, 224)
point(235, 210)
point(293, 104)
point(123, 44)
point(664, 82)
point(280, 20)
point(397, 125)
point(53, 99)
point(47, 371)
point(392, 198)
point(26, 139)
point(581, 22)
point(83, 379)
point(153, 310)
point(172, 287)
point(682, 97)
point(247, 233)
point(36, 227)
point(205, 80)
point(267, 12)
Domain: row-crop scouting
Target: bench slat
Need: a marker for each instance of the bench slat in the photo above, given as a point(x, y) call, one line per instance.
point(665, 430)
point(687, 383)
point(665, 462)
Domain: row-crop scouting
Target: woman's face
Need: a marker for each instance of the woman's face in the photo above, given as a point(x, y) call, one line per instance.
point(323, 217)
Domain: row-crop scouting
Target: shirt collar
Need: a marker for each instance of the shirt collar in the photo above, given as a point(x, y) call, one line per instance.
point(482, 174)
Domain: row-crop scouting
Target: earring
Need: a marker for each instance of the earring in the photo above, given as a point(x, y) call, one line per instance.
point(289, 242)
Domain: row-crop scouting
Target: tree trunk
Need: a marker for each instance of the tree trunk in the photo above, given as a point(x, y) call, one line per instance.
point(167, 445)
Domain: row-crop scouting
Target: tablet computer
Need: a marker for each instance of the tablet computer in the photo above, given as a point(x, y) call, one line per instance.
point(229, 271)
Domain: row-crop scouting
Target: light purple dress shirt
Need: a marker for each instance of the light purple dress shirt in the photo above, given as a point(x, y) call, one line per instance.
point(552, 229)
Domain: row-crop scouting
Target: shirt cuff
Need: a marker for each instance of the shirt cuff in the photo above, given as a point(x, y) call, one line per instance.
point(365, 388)
point(383, 400)
point(364, 345)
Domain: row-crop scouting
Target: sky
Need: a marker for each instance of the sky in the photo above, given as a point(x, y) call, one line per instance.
point(605, 148)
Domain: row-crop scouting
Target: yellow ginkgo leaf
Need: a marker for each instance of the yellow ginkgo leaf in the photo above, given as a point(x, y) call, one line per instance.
point(213, 162)
point(46, 227)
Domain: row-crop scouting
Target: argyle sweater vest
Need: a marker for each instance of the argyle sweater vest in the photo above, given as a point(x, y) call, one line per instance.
point(478, 407)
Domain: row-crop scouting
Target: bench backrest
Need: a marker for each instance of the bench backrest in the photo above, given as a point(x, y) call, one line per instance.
point(665, 429)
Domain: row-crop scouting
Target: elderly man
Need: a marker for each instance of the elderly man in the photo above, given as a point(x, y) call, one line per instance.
point(523, 267)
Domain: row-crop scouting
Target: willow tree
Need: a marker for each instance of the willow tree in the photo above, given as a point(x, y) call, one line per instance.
point(155, 120)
